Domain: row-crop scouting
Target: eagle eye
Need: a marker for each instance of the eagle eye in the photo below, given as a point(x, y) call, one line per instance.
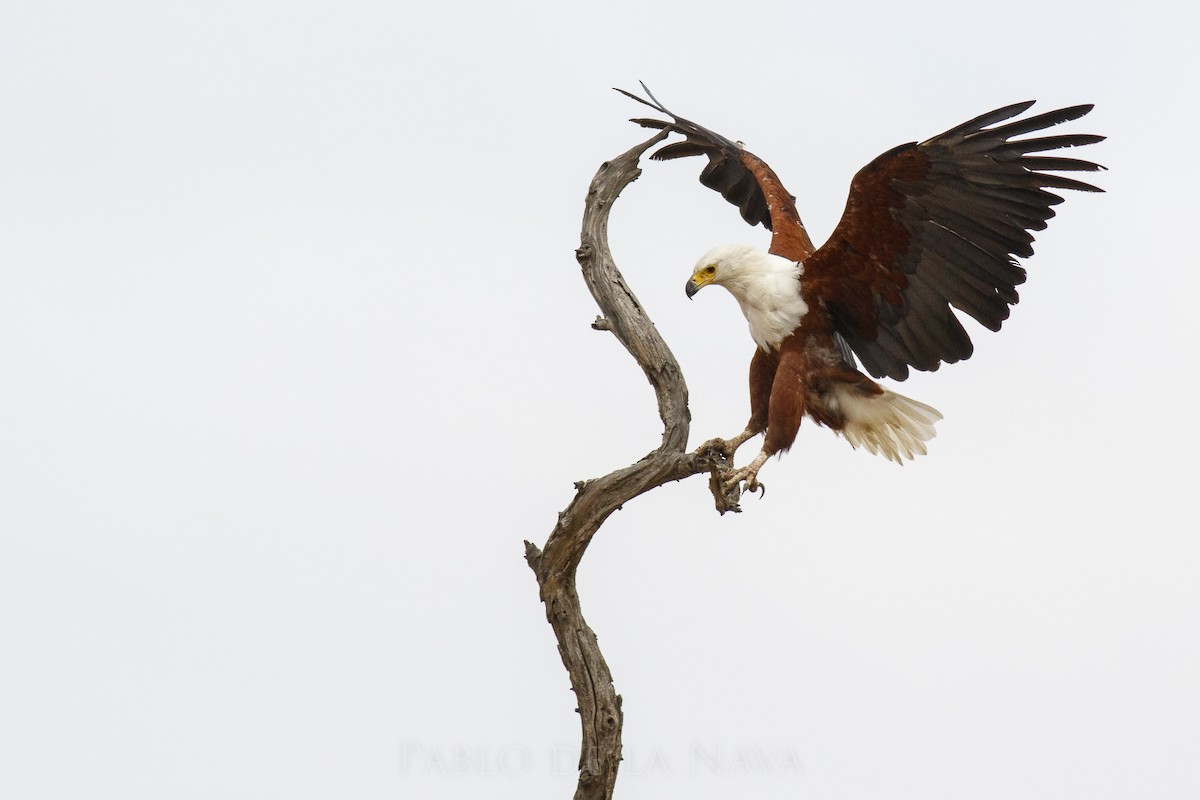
point(710, 269)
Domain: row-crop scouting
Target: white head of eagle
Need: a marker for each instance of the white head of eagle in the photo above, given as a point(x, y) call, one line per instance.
point(767, 287)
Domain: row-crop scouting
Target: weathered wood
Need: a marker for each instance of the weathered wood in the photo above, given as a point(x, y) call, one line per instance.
point(599, 705)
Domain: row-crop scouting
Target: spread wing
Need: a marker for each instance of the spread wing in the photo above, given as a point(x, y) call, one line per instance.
point(928, 227)
point(936, 225)
point(741, 177)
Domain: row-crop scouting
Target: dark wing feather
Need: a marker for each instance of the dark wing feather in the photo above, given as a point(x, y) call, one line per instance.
point(934, 226)
point(740, 176)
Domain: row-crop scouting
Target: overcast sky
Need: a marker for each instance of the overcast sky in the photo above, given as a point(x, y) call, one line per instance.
point(294, 354)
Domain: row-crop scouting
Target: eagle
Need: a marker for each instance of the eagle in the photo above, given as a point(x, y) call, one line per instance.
point(929, 228)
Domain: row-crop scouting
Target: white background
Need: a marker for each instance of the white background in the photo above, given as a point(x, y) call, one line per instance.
point(294, 354)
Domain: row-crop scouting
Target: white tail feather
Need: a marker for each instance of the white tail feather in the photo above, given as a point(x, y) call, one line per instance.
point(889, 424)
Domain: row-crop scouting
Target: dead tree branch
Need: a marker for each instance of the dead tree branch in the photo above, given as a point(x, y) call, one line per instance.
point(599, 706)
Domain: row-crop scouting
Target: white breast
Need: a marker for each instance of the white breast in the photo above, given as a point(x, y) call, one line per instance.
point(767, 288)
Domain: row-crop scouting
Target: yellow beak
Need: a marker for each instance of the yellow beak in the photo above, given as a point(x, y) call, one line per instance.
point(697, 282)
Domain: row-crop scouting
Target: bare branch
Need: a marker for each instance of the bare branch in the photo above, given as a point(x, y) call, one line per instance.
point(599, 705)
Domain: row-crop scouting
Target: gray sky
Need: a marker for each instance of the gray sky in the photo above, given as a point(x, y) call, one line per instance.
point(295, 354)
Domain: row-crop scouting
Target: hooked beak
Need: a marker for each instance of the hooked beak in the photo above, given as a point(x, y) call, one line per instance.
point(700, 278)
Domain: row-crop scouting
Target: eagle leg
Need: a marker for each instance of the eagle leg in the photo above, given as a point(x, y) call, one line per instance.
point(748, 473)
point(726, 447)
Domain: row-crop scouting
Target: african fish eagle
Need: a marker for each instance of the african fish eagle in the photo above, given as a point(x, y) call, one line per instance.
point(928, 227)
